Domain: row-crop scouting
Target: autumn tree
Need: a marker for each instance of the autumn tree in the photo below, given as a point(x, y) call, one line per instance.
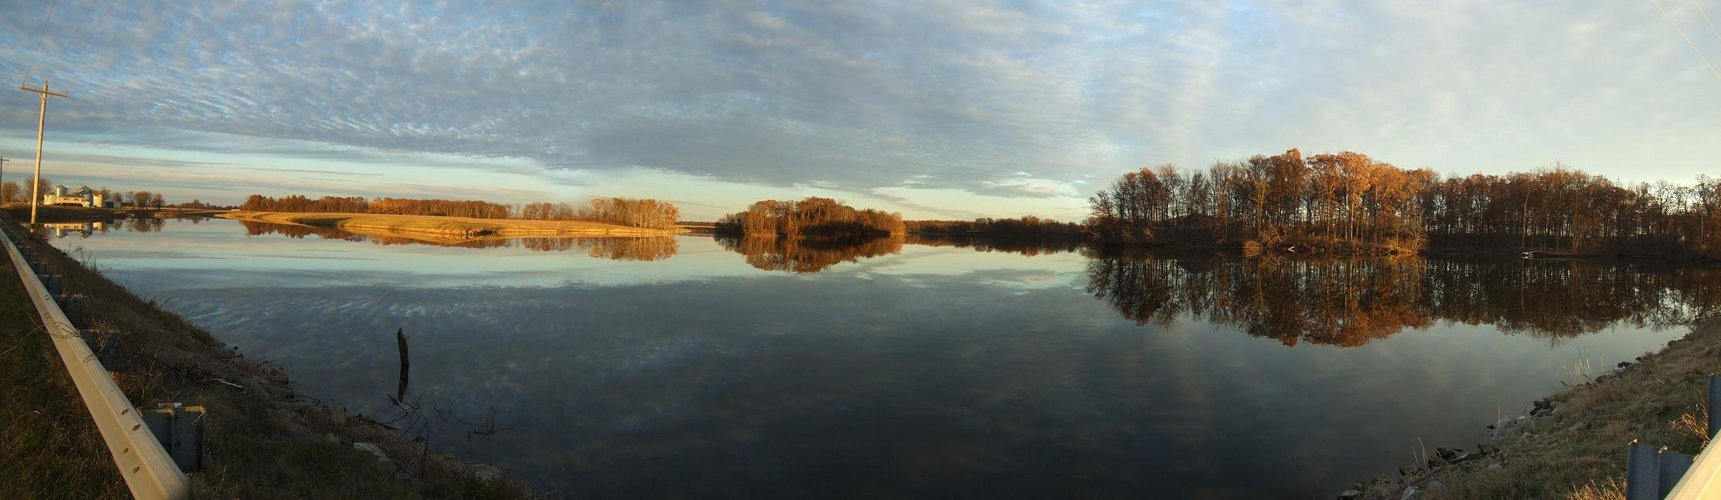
point(813, 217)
point(1348, 202)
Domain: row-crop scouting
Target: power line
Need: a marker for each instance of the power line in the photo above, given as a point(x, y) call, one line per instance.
point(104, 20)
point(1693, 46)
point(36, 55)
point(116, 32)
point(66, 49)
point(79, 30)
point(1706, 18)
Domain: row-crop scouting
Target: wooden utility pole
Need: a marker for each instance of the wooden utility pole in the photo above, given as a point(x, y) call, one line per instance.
point(3, 180)
point(41, 121)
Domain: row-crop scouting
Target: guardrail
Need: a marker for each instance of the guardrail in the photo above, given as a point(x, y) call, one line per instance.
point(149, 471)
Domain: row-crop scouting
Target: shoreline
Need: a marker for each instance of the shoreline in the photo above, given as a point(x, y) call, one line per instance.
point(261, 437)
point(1572, 443)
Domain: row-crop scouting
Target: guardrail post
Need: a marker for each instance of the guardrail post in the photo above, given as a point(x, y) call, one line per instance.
point(1673, 467)
point(1642, 472)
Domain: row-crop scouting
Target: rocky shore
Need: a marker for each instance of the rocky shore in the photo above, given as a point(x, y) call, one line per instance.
point(1573, 444)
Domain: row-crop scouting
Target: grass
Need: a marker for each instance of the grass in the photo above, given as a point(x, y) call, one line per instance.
point(1577, 451)
point(48, 443)
point(438, 229)
point(261, 441)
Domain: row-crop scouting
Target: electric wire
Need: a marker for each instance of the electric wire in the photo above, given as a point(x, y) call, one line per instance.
point(1706, 20)
point(79, 30)
point(36, 54)
point(94, 32)
point(1688, 41)
point(116, 33)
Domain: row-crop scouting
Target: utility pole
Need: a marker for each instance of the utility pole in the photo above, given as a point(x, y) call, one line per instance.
point(41, 121)
point(3, 180)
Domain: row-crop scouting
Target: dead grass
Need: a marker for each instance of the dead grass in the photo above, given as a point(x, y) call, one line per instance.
point(1578, 450)
point(260, 441)
point(444, 228)
point(1606, 489)
point(48, 444)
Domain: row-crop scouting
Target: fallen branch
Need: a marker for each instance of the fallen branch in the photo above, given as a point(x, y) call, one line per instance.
point(226, 383)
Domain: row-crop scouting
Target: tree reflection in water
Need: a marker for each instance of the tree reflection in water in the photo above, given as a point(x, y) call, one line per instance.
point(643, 248)
point(142, 224)
point(1353, 302)
point(798, 255)
point(983, 243)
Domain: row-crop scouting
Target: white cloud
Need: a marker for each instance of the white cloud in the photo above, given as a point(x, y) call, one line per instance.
point(871, 97)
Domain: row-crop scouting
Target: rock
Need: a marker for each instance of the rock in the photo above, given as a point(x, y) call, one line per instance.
point(1490, 427)
point(1435, 485)
point(1446, 454)
point(1624, 364)
point(1349, 494)
point(1495, 466)
point(1487, 449)
point(485, 472)
point(1409, 492)
point(330, 437)
point(373, 449)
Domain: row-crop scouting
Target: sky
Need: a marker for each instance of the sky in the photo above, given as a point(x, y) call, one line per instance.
point(935, 108)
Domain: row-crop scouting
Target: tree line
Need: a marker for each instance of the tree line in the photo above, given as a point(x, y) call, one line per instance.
point(11, 191)
point(814, 218)
point(644, 213)
point(1024, 228)
point(1350, 203)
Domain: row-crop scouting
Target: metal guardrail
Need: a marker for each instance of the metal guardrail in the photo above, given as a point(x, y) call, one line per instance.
point(1652, 473)
point(149, 471)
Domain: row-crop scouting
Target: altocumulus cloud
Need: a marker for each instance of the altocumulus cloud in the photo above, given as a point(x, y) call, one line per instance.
point(1014, 99)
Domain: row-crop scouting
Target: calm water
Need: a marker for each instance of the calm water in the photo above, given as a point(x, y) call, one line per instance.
point(692, 367)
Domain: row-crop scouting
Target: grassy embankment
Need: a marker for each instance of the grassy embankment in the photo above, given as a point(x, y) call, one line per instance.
point(438, 229)
point(261, 440)
point(1576, 450)
point(47, 440)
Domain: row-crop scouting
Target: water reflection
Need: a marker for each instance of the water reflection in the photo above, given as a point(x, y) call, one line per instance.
point(982, 243)
point(644, 248)
point(931, 373)
point(81, 229)
point(1354, 302)
point(807, 255)
point(85, 229)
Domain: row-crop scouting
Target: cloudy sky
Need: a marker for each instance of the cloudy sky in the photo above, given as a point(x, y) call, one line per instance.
point(933, 108)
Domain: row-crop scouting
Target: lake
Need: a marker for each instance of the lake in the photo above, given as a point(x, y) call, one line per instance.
point(693, 366)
